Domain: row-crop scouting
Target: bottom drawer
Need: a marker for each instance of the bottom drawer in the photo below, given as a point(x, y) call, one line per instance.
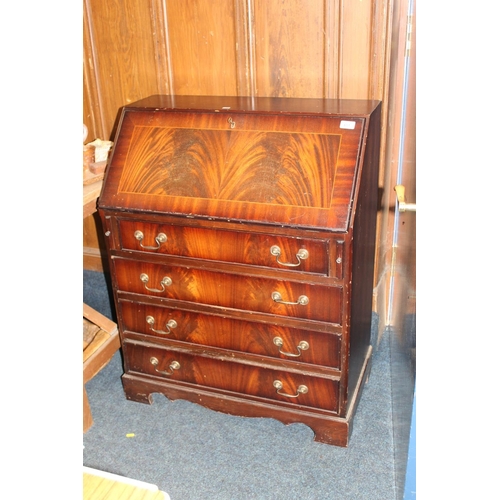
point(229, 375)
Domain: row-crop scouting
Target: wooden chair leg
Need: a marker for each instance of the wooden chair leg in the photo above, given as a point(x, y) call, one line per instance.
point(87, 414)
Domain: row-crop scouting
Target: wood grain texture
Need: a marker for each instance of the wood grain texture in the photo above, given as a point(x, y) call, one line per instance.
point(202, 46)
point(303, 48)
point(319, 48)
point(123, 55)
point(327, 427)
point(296, 171)
point(93, 240)
point(99, 485)
point(230, 246)
point(356, 64)
point(259, 167)
point(233, 376)
point(289, 48)
point(245, 47)
point(161, 39)
point(93, 113)
point(230, 290)
point(230, 333)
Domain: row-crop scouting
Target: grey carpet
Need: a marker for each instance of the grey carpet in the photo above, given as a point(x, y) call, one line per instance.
point(193, 453)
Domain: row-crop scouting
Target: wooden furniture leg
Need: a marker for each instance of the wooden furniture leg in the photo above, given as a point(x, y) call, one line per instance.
point(87, 414)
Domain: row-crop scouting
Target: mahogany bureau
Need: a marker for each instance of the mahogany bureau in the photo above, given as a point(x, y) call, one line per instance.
point(241, 235)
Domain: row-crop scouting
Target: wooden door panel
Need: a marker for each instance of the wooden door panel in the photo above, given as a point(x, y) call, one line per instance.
point(301, 48)
point(202, 47)
point(289, 48)
point(123, 55)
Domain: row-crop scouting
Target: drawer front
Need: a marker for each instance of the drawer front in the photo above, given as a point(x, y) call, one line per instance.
point(273, 384)
point(245, 336)
point(248, 293)
point(280, 252)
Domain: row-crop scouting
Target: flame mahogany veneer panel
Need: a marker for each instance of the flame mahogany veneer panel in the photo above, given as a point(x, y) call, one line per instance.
point(232, 165)
point(270, 167)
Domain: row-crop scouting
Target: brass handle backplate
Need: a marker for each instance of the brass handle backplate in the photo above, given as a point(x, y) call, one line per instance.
point(303, 346)
point(301, 389)
point(170, 325)
point(160, 238)
point(175, 365)
point(166, 281)
point(303, 300)
point(301, 255)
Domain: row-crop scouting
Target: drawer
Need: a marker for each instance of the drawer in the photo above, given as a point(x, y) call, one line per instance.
point(229, 375)
point(256, 249)
point(304, 346)
point(235, 291)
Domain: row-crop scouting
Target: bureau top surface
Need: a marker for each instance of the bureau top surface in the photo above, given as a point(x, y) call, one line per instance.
point(288, 161)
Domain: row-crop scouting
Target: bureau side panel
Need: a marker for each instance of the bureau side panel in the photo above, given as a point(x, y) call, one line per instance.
point(363, 248)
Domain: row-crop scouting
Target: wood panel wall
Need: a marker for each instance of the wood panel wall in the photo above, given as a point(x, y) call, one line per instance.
point(279, 48)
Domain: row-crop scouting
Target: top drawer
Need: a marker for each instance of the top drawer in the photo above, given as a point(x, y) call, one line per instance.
point(273, 251)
